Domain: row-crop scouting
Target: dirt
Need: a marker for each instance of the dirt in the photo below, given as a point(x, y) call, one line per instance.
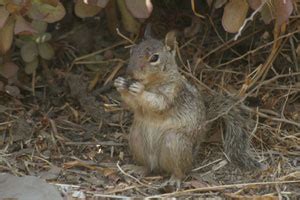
point(72, 131)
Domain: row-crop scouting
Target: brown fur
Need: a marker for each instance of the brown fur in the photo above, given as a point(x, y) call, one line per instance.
point(170, 114)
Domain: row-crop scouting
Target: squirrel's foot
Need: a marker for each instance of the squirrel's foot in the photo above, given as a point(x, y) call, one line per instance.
point(173, 182)
point(136, 170)
point(121, 84)
point(136, 88)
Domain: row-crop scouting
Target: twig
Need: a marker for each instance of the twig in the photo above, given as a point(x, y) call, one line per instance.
point(194, 10)
point(208, 164)
point(6, 123)
point(118, 190)
point(249, 19)
point(132, 177)
point(98, 52)
point(223, 187)
point(257, 49)
point(100, 61)
point(124, 37)
point(271, 80)
point(272, 118)
point(111, 196)
point(252, 91)
point(108, 143)
point(256, 124)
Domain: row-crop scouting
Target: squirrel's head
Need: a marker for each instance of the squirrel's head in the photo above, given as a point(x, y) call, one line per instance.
point(151, 59)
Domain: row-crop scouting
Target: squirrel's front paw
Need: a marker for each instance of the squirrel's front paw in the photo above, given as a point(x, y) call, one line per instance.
point(136, 88)
point(121, 84)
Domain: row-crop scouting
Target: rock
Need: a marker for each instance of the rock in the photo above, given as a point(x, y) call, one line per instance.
point(26, 188)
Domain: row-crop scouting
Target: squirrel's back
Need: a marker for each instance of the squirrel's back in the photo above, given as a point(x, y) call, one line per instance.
point(171, 115)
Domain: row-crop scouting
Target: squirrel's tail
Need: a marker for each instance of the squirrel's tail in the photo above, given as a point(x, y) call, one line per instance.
point(236, 139)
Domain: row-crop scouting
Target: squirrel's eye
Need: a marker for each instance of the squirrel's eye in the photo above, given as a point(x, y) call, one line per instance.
point(154, 58)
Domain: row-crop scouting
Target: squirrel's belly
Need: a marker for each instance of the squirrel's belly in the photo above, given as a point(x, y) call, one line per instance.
point(144, 142)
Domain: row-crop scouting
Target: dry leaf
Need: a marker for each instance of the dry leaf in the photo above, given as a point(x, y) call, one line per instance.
point(267, 14)
point(139, 8)
point(6, 35)
point(1, 88)
point(83, 10)
point(18, 7)
point(9, 70)
point(12, 90)
point(3, 16)
point(129, 22)
point(234, 15)
point(100, 3)
point(283, 10)
point(112, 17)
point(254, 4)
point(219, 3)
point(279, 9)
point(23, 27)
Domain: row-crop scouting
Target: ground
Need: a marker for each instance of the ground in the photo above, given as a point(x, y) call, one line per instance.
point(72, 129)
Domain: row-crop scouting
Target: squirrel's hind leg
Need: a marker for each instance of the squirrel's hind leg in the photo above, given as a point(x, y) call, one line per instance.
point(173, 181)
point(176, 154)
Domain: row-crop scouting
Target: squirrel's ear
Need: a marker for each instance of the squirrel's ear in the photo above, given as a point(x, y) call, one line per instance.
point(170, 40)
point(147, 33)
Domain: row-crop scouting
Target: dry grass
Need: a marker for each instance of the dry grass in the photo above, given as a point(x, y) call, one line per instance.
point(80, 144)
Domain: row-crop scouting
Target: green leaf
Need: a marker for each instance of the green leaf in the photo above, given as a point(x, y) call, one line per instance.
point(46, 51)
point(44, 37)
point(29, 51)
point(39, 26)
point(50, 2)
point(46, 12)
point(31, 67)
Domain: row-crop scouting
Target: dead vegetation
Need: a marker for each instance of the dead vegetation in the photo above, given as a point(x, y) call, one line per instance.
point(70, 127)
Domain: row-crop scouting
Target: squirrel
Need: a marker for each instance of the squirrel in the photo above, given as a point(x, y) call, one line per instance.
point(172, 117)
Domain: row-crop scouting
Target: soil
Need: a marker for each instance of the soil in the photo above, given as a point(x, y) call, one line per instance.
point(72, 130)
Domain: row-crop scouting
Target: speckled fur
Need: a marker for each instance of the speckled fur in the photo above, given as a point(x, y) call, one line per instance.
point(170, 114)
